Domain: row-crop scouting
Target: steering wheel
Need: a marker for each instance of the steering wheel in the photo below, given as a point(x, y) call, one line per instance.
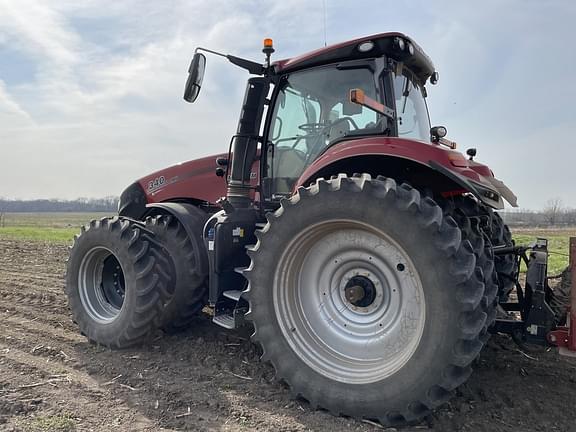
point(312, 127)
point(343, 119)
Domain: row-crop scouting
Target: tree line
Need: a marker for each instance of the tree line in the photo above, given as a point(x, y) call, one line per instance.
point(554, 214)
point(92, 205)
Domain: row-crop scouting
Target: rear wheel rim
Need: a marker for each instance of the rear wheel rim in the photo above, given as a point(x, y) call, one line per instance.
point(101, 285)
point(349, 301)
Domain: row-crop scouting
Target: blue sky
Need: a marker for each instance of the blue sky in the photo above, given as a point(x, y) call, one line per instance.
point(91, 91)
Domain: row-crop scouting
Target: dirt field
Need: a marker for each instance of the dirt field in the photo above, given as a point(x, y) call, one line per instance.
point(208, 379)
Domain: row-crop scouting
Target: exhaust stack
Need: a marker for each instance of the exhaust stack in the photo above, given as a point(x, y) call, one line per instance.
point(245, 143)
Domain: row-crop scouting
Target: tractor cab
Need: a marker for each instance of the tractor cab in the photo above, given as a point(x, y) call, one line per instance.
point(316, 108)
point(295, 110)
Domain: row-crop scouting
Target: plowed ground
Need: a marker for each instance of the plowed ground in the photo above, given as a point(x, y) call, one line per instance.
point(207, 379)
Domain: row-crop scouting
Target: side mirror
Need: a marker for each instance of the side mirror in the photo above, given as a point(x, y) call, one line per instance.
point(195, 76)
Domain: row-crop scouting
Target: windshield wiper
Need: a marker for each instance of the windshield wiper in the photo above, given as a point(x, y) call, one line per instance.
point(406, 93)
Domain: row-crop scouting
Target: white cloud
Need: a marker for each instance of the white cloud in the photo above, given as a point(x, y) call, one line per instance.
point(11, 114)
point(105, 118)
point(105, 104)
point(40, 30)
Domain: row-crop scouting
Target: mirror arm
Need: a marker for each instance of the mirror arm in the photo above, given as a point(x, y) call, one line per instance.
point(209, 51)
point(252, 67)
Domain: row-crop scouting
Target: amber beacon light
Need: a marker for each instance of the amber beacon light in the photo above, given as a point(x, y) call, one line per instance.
point(268, 50)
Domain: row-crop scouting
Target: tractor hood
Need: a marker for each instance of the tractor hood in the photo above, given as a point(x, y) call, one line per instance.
point(190, 181)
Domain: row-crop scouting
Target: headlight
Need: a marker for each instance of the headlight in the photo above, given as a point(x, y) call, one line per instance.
point(400, 44)
point(410, 48)
point(365, 46)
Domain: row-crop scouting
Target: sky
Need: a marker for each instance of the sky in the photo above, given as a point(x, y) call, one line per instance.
point(91, 91)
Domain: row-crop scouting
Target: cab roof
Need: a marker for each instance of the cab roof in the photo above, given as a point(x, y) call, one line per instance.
point(384, 44)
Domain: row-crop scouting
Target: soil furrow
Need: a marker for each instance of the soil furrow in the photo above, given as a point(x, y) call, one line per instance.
point(47, 366)
point(56, 317)
point(22, 327)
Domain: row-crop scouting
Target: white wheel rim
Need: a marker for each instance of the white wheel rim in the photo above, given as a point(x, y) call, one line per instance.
point(349, 334)
point(101, 285)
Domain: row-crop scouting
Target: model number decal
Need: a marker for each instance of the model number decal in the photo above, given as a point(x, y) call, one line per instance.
point(157, 183)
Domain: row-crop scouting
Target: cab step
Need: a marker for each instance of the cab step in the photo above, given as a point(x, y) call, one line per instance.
point(233, 294)
point(225, 320)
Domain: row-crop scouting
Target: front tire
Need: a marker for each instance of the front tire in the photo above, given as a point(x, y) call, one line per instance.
point(366, 299)
point(118, 280)
point(190, 268)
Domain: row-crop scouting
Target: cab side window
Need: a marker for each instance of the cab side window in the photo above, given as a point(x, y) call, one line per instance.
point(411, 111)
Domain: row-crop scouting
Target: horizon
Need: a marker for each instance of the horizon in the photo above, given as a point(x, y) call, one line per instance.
point(508, 209)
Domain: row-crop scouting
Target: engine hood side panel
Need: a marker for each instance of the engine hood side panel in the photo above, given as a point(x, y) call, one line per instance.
point(187, 180)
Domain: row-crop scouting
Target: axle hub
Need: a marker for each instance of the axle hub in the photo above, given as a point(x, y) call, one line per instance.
point(360, 291)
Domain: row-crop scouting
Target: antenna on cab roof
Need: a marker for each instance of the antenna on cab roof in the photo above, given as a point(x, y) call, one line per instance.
point(324, 10)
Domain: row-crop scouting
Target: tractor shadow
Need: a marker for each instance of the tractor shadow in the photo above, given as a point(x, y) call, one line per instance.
point(211, 379)
point(205, 379)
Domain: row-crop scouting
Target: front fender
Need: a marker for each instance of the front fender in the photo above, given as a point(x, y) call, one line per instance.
point(470, 176)
point(490, 191)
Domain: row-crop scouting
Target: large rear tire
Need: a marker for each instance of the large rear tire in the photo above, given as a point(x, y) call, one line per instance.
point(366, 299)
point(560, 301)
point(506, 268)
point(470, 216)
point(482, 219)
point(118, 280)
point(190, 269)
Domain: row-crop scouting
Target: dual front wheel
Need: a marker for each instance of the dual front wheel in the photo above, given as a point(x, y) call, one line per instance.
point(118, 280)
point(126, 278)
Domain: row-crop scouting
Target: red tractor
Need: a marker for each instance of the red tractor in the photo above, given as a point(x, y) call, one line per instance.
point(360, 245)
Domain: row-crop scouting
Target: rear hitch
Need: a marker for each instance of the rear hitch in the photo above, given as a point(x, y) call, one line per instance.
point(565, 337)
point(531, 319)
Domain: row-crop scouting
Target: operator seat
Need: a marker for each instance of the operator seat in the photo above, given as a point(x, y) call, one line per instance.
point(338, 131)
point(288, 165)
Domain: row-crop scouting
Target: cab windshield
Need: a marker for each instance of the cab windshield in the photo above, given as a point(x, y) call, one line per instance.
point(411, 112)
point(313, 110)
